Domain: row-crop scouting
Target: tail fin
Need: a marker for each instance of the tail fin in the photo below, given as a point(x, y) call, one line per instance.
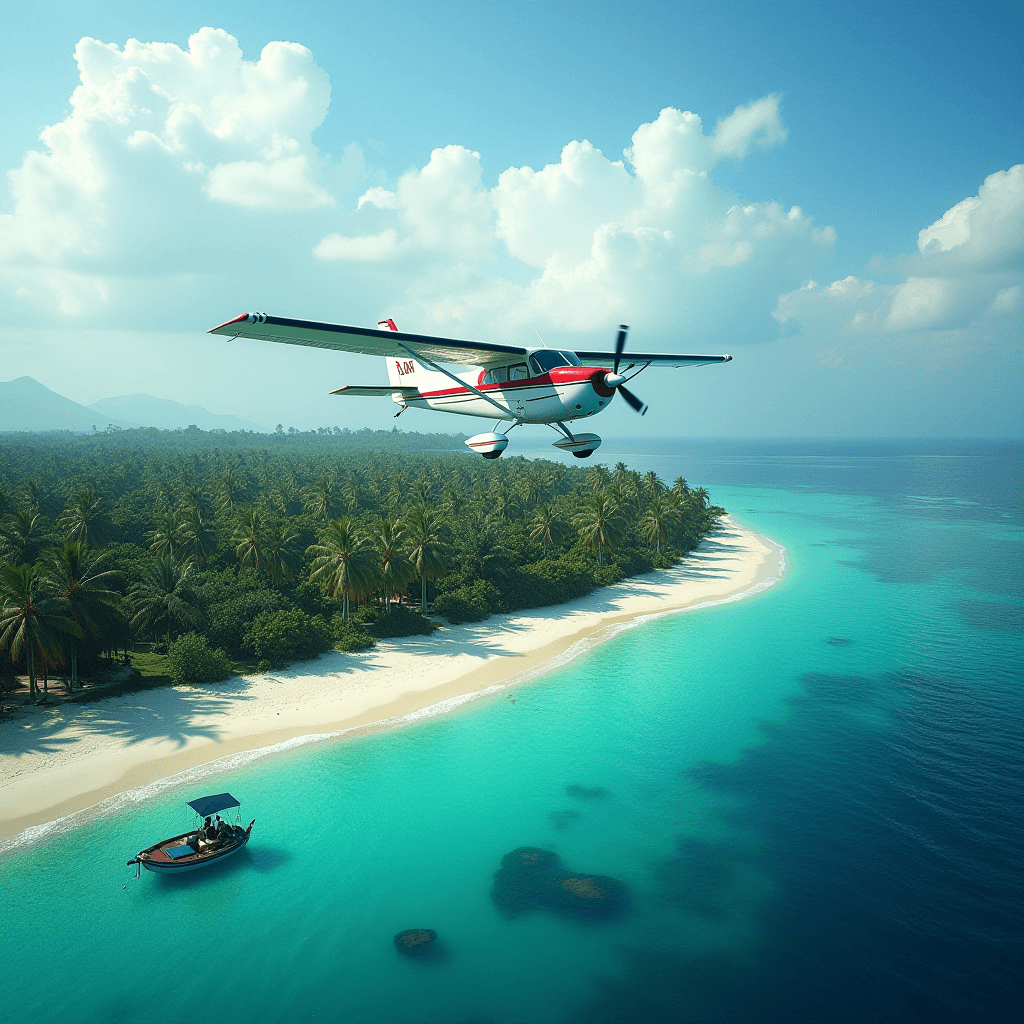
point(405, 373)
point(401, 372)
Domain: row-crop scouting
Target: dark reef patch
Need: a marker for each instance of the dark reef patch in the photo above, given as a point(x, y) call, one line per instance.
point(563, 819)
point(587, 792)
point(534, 879)
point(995, 616)
point(418, 942)
point(701, 879)
point(839, 641)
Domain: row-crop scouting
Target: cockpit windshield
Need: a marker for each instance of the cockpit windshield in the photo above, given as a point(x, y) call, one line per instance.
point(548, 359)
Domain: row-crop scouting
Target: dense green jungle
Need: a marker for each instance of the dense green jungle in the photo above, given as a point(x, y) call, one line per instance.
point(191, 555)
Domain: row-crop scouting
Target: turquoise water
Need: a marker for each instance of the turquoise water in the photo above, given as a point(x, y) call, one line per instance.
point(813, 796)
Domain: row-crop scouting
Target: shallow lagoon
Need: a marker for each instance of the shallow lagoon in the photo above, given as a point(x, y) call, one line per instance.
point(808, 829)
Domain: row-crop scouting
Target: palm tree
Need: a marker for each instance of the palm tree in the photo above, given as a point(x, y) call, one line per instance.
point(165, 537)
point(286, 495)
point(350, 492)
point(652, 484)
point(546, 528)
point(657, 522)
point(85, 586)
point(229, 488)
point(249, 539)
point(24, 532)
point(623, 494)
point(428, 550)
point(323, 502)
point(451, 496)
point(600, 524)
point(422, 491)
point(393, 567)
point(164, 598)
point(342, 562)
point(281, 552)
point(680, 488)
point(85, 519)
point(197, 536)
point(598, 477)
point(503, 503)
point(31, 622)
point(527, 490)
point(33, 493)
point(194, 496)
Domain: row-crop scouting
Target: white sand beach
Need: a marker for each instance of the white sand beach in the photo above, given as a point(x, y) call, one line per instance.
point(58, 760)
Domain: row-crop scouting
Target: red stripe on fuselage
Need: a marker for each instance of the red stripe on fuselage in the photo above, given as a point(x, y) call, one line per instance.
point(559, 375)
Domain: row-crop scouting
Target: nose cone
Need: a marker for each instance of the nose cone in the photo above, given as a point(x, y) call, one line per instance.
point(598, 381)
point(613, 380)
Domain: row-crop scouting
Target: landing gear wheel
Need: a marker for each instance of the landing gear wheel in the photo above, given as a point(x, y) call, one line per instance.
point(490, 446)
point(581, 445)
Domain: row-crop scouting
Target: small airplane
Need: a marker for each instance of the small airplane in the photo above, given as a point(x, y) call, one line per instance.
point(522, 385)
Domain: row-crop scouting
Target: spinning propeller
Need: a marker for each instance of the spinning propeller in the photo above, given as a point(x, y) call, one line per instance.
point(617, 381)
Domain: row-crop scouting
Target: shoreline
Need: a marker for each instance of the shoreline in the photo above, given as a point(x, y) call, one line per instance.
point(65, 765)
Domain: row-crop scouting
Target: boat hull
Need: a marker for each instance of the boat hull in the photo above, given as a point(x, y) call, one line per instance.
point(177, 869)
point(154, 858)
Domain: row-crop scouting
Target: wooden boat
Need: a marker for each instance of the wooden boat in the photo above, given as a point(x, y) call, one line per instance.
point(201, 846)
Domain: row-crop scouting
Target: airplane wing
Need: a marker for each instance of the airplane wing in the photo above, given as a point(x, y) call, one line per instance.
point(655, 358)
point(368, 341)
point(362, 391)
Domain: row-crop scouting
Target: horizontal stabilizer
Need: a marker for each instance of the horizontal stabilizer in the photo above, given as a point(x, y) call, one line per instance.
point(385, 391)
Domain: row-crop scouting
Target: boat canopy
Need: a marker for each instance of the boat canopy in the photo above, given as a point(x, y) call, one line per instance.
point(207, 805)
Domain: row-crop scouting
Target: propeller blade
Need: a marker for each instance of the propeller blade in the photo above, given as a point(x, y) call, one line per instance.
point(635, 402)
point(620, 344)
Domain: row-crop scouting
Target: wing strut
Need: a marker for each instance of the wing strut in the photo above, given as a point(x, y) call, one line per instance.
point(508, 413)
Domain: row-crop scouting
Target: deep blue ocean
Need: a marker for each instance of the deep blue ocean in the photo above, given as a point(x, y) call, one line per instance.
point(813, 799)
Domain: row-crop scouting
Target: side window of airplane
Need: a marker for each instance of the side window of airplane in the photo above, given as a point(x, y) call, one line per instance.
point(496, 376)
point(518, 372)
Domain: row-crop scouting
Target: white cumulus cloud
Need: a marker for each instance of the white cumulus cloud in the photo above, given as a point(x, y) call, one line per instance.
point(380, 248)
point(756, 125)
point(554, 212)
point(986, 230)
point(379, 197)
point(649, 236)
point(156, 141)
point(283, 184)
point(969, 269)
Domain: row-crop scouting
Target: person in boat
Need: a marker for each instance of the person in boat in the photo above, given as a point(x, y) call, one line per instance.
point(222, 831)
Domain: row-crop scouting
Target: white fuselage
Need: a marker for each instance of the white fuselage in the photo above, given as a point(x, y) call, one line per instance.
point(560, 394)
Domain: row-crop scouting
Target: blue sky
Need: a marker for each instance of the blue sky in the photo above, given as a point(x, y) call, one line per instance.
point(875, 120)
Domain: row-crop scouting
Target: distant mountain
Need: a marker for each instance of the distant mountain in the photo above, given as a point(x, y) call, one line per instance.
point(27, 405)
point(167, 415)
